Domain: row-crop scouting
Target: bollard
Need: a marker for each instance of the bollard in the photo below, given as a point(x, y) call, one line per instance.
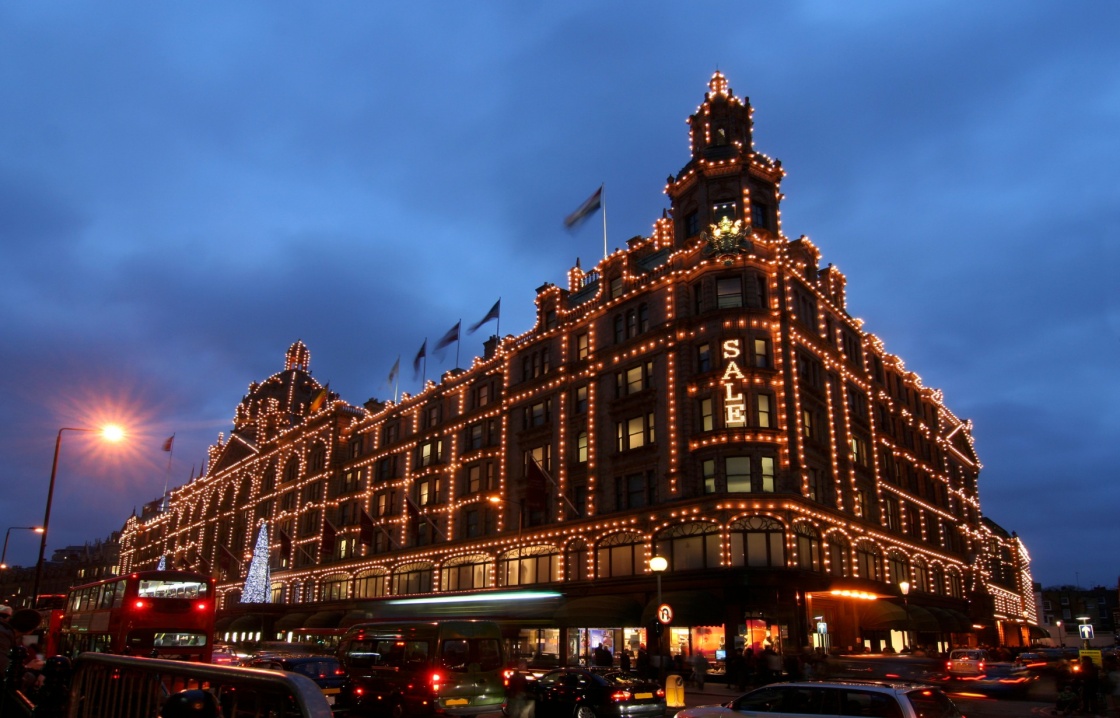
point(674, 691)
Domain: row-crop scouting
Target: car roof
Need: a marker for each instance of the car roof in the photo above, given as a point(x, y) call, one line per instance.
point(886, 685)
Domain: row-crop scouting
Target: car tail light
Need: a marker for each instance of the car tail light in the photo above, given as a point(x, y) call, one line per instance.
point(435, 680)
point(948, 664)
point(507, 674)
point(660, 693)
point(620, 696)
point(359, 691)
point(339, 672)
point(981, 666)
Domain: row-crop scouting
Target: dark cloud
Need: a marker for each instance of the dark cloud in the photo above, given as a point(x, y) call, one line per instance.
point(186, 191)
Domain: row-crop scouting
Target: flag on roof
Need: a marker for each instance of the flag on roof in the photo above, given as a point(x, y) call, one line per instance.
point(450, 337)
point(320, 398)
point(490, 316)
point(168, 443)
point(585, 210)
point(419, 357)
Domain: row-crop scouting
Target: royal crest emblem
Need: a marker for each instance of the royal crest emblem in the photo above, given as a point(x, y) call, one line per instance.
point(726, 240)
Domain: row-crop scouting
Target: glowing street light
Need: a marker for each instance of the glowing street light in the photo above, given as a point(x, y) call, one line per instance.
point(1061, 638)
point(904, 586)
point(8, 535)
point(110, 432)
point(658, 564)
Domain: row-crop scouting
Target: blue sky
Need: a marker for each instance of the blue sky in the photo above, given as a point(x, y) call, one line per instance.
point(186, 189)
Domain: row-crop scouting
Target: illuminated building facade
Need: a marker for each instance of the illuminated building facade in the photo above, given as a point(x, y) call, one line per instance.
point(702, 395)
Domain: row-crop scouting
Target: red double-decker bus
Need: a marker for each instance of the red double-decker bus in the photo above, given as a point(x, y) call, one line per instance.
point(165, 614)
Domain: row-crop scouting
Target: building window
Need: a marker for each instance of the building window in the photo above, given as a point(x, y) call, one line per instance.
point(838, 556)
point(729, 292)
point(765, 415)
point(412, 578)
point(635, 379)
point(525, 567)
point(481, 395)
point(634, 491)
point(890, 513)
point(757, 541)
point(738, 474)
point(427, 492)
point(869, 562)
point(537, 414)
point(579, 400)
point(616, 288)
point(703, 358)
point(465, 574)
point(760, 215)
point(371, 585)
point(722, 210)
point(474, 437)
point(808, 547)
point(858, 448)
point(708, 474)
point(707, 415)
point(431, 415)
point(635, 432)
point(429, 452)
point(690, 546)
point(692, 224)
point(575, 563)
point(620, 554)
point(583, 345)
point(581, 447)
point(761, 353)
point(767, 473)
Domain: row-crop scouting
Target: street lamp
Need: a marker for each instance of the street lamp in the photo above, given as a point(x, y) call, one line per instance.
point(8, 535)
point(904, 586)
point(658, 564)
point(109, 433)
point(1061, 638)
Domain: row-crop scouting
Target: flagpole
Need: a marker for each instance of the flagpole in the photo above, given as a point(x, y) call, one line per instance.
point(603, 198)
point(397, 379)
point(167, 475)
point(498, 326)
point(458, 341)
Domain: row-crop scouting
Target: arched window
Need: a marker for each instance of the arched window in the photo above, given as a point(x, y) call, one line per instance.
point(808, 546)
point(575, 563)
point(465, 573)
point(899, 566)
point(690, 546)
point(757, 541)
point(869, 561)
point(937, 582)
point(318, 458)
point(529, 565)
point(291, 469)
point(955, 584)
point(371, 584)
point(921, 576)
point(413, 578)
point(839, 555)
point(334, 587)
point(268, 481)
point(619, 554)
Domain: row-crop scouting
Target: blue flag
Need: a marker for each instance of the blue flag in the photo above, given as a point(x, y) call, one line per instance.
point(588, 208)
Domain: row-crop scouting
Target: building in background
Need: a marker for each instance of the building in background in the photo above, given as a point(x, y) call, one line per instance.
point(703, 395)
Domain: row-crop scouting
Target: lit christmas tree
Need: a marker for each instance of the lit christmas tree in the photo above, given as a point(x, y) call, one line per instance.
point(258, 581)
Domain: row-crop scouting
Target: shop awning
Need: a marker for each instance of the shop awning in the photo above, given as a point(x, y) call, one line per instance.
point(291, 621)
point(599, 612)
point(1039, 632)
point(881, 616)
point(248, 623)
point(949, 623)
point(222, 624)
point(355, 617)
point(922, 620)
point(690, 608)
point(324, 619)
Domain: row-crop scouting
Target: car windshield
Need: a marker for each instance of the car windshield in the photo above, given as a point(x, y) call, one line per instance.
point(932, 703)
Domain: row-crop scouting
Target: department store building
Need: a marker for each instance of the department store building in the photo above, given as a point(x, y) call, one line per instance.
point(702, 395)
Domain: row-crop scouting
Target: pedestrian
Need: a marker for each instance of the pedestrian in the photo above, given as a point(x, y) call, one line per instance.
point(1090, 685)
point(1112, 680)
point(645, 669)
point(624, 661)
point(699, 669)
point(13, 627)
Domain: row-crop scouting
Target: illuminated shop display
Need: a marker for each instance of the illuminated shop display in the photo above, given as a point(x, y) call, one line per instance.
point(702, 395)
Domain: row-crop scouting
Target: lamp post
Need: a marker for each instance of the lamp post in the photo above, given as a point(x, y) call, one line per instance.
point(110, 433)
point(1061, 638)
point(8, 535)
point(904, 586)
point(658, 564)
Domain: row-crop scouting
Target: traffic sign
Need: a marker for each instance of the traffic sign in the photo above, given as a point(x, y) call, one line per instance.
point(1086, 631)
point(665, 614)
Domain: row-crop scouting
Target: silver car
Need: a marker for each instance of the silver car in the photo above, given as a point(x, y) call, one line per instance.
point(834, 698)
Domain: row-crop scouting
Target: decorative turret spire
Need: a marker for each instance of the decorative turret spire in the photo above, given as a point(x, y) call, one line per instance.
point(298, 357)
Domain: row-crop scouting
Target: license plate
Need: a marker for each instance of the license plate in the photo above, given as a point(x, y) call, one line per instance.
point(457, 701)
point(331, 691)
point(641, 696)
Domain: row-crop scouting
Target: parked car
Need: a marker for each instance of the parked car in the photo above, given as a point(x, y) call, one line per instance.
point(966, 663)
point(866, 698)
point(326, 671)
point(224, 655)
point(582, 693)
